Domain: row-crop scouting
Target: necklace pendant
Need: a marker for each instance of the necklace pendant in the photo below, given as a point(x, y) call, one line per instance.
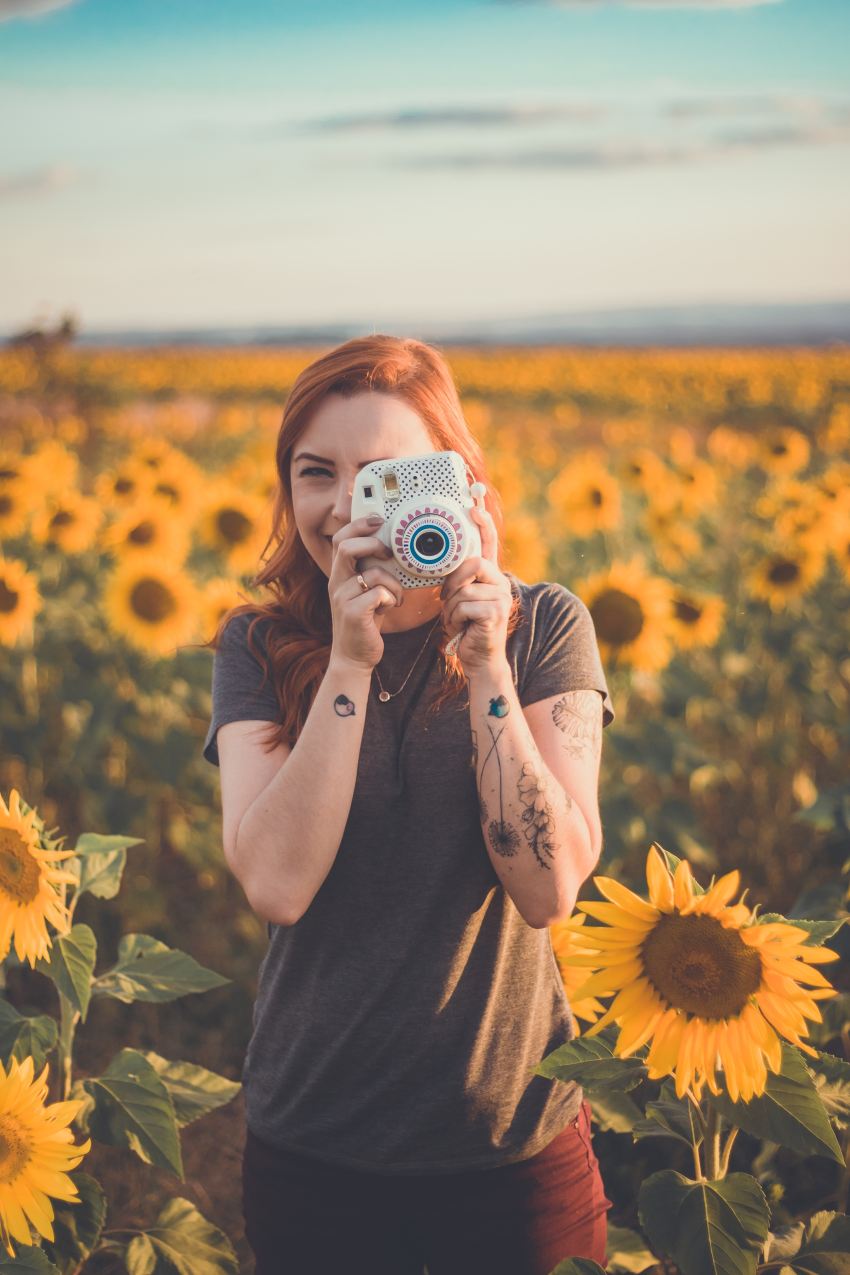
point(383, 696)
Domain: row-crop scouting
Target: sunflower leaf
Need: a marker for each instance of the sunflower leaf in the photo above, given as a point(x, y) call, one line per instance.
point(133, 1109)
point(590, 1062)
point(578, 1266)
point(70, 965)
point(824, 1242)
point(78, 1224)
point(831, 1077)
point(181, 1242)
point(789, 1112)
point(707, 1228)
point(818, 930)
point(670, 1117)
point(148, 970)
point(614, 1111)
point(28, 1260)
point(627, 1251)
point(194, 1090)
point(25, 1035)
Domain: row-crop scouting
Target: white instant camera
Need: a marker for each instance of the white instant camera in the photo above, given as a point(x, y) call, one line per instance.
point(424, 502)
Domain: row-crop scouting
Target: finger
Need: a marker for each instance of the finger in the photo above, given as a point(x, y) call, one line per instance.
point(349, 552)
point(489, 535)
point(473, 571)
point(479, 612)
point(454, 611)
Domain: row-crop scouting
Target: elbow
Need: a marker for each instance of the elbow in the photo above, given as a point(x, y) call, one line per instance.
point(267, 907)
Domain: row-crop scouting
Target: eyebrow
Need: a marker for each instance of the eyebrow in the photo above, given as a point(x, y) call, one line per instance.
point(325, 461)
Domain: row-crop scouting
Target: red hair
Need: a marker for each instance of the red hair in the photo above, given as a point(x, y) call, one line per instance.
point(299, 637)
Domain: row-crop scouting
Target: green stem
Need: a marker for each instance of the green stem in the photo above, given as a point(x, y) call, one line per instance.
point(712, 1143)
point(68, 1019)
point(727, 1151)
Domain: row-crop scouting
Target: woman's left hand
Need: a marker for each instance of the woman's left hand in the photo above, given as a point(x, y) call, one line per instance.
point(477, 602)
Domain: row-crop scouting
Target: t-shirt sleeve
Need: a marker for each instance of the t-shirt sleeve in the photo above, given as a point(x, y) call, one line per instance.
point(564, 654)
point(236, 678)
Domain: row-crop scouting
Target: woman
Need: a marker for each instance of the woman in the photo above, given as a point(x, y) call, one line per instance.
point(409, 828)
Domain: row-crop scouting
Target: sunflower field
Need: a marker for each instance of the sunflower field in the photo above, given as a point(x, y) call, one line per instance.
point(698, 502)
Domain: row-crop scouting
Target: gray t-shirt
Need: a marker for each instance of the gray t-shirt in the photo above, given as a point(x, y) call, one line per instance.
point(397, 1023)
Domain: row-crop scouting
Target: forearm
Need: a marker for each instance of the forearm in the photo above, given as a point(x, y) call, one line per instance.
point(289, 836)
point(535, 833)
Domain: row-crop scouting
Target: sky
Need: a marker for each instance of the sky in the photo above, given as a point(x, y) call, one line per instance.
point(184, 163)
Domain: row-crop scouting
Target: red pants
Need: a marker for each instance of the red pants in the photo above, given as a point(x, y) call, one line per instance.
point(307, 1218)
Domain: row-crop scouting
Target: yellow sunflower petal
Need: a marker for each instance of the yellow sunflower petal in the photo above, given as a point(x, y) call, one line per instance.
point(610, 913)
point(659, 881)
point(683, 884)
point(626, 898)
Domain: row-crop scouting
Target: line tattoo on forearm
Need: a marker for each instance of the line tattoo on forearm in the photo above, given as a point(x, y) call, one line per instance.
point(504, 840)
point(538, 823)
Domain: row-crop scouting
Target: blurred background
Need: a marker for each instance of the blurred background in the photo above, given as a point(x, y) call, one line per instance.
point(625, 225)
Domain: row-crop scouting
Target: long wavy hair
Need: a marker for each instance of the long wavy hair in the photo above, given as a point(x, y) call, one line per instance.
point(300, 634)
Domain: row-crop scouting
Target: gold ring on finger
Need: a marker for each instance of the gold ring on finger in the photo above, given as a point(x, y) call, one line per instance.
point(363, 585)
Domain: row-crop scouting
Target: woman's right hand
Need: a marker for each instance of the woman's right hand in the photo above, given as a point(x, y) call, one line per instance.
point(355, 611)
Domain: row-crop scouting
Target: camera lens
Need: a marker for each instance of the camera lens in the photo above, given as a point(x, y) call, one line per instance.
point(430, 544)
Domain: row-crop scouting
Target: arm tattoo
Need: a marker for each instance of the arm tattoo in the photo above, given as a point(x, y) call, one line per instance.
point(343, 706)
point(578, 715)
point(537, 815)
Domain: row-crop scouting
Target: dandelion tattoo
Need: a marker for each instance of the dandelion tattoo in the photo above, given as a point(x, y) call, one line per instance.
point(503, 839)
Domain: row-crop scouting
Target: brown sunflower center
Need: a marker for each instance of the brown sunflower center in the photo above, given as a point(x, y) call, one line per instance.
point(122, 486)
point(20, 876)
point(6, 503)
point(686, 612)
point(165, 490)
point(14, 1150)
point(596, 497)
point(617, 617)
point(234, 526)
point(783, 571)
point(699, 965)
point(152, 601)
point(61, 519)
point(9, 598)
point(142, 534)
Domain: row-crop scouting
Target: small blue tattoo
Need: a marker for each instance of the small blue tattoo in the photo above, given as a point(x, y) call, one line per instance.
point(499, 707)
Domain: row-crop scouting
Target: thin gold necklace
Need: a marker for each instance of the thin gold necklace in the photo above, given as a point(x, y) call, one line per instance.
point(383, 696)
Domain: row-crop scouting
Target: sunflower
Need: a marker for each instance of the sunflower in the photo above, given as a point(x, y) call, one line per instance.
point(30, 883)
point(19, 601)
point(782, 450)
point(841, 554)
point(786, 575)
point(640, 469)
point(696, 618)
point(68, 522)
point(36, 1153)
point(730, 448)
point(51, 468)
point(234, 523)
point(584, 497)
point(692, 487)
point(673, 538)
point(563, 947)
point(122, 486)
point(703, 980)
point(153, 606)
point(148, 529)
point(630, 610)
point(16, 504)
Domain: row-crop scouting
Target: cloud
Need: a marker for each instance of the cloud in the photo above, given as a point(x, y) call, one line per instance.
point(29, 8)
point(38, 181)
point(646, 4)
point(637, 154)
point(451, 117)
